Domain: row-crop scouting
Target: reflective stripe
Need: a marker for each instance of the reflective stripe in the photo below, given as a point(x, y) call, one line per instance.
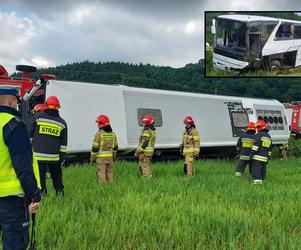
point(266, 142)
point(149, 149)
point(247, 143)
point(238, 174)
point(145, 135)
point(63, 148)
point(257, 181)
point(50, 122)
point(244, 157)
point(104, 154)
point(260, 158)
point(47, 157)
point(269, 153)
point(255, 148)
point(196, 150)
point(196, 138)
point(188, 150)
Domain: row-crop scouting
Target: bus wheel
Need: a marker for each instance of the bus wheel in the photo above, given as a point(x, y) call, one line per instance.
point(275, 67)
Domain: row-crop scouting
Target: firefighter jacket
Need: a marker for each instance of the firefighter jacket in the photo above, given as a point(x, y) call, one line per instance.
point(104, 145)
point(245, 144)
point(147, 141)
point(191, 141)
point(19, 172)
point(262, 147)
point(49, 136)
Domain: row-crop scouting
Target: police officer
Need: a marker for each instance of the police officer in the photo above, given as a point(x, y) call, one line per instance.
point(261, 151)
point(104, 149)
point(244, 147)
point(145, 149)
point(19, 192)
point(190, 146)
point(49, 138)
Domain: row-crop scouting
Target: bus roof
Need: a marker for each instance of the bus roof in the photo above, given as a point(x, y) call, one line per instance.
point(248, 18)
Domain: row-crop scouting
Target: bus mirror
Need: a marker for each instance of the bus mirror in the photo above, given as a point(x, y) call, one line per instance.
point(213, 31)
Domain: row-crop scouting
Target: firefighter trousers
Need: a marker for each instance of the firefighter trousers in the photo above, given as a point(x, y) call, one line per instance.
point(242, 164)
point(104, 171)
point(189, 169)
point(14, 223)
point(55, 170)
point(259, 170)
point(145, 166)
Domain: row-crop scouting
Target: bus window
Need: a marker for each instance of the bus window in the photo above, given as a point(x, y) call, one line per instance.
point(285, 31)
point(297, 31)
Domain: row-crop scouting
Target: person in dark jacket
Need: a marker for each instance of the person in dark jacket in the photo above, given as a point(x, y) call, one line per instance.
point(244, 147)
point(49, 139)
point(261, 151)
point(19, 174)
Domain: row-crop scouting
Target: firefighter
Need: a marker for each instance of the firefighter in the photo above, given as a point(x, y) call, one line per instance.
point(104, 150)
point(145, 149)
point(244, 147)
point(190, 146)
point(38, 108)
point(284, 151)
point(49, 138)
point(261, 151)
point(19, 174)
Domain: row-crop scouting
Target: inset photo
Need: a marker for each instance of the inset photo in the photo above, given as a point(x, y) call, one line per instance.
point(253, 44)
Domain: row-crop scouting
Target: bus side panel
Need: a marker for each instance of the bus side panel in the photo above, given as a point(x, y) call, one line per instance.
point(81, 103)
point(211, 118)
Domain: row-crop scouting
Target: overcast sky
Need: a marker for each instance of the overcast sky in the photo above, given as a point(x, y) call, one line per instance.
point(159, 32)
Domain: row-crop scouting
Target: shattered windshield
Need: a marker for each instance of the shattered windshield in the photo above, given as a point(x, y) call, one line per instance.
point(231, 33)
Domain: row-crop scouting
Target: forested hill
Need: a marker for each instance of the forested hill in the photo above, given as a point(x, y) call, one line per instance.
point(189, 78)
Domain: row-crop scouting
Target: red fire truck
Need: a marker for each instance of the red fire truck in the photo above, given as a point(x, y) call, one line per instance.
point(293, 111)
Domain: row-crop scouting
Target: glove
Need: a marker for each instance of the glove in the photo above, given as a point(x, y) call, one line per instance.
point(181, 149)
point(141, 156)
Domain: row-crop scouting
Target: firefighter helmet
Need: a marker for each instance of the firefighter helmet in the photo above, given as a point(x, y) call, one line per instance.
point(52, 102)
point(251, 126)
point(261, 125)
point(147, 120)
point(39, 108)
point(102, 121)
point(188, 119)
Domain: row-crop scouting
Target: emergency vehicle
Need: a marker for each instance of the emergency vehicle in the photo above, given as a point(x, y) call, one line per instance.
point(293, 112)
point(219, 119)
point(243, 42)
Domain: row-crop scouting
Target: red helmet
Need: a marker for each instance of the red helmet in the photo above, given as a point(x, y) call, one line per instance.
point(52, 102)
point(102, 121)
point(188, 119)
point(39, 108)
point(147, 120)
point(261, 125)
point(251, 126)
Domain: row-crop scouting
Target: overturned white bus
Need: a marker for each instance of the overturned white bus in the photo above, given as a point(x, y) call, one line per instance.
point(243, 42)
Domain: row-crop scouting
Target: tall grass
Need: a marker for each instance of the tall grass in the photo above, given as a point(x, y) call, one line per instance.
point(213, 210)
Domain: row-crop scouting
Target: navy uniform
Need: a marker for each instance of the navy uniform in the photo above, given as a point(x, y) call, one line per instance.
point(244, 147)
point(19, 176)
point(261, 151)
point(49, 139)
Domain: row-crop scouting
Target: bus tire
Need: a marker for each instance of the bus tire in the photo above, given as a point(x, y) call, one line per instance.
point(275, 67)
point(26, 68)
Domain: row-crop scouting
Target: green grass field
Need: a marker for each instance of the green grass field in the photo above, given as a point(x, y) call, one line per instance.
point(213, 210)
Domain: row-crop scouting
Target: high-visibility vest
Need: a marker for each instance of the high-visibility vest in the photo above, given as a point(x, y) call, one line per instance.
point(9, 183)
